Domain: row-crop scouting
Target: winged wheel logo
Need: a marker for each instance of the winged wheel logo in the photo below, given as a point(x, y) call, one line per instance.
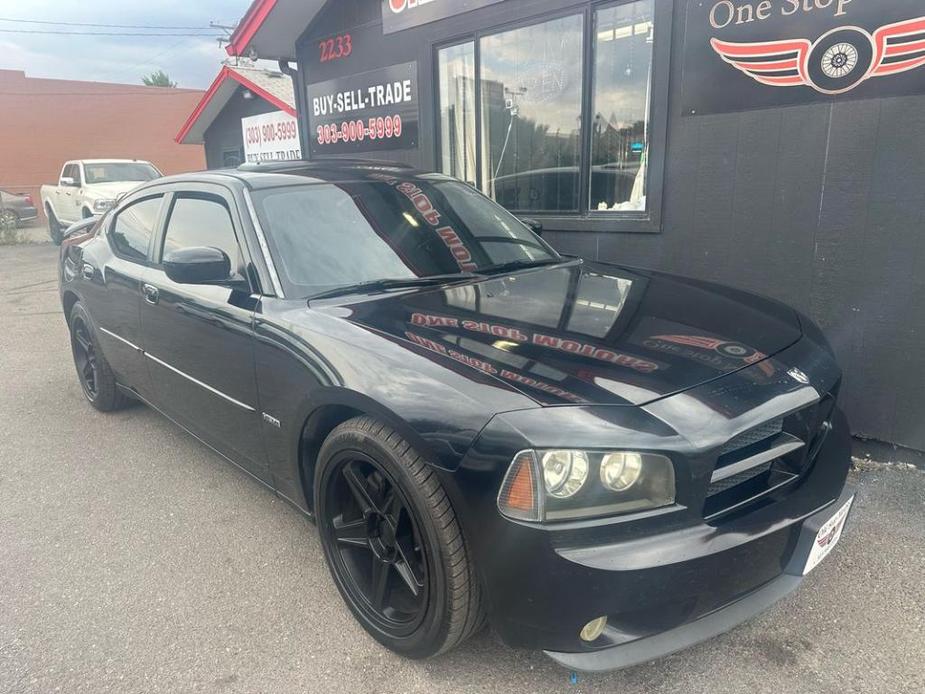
point(837, 62)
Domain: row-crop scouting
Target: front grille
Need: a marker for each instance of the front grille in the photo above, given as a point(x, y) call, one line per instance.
point(752, 436)
point(736, 480)
point(772, 456)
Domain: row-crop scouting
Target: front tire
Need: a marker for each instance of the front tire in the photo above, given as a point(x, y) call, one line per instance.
point(54, 228)
point(96, 377)
point(392, 542)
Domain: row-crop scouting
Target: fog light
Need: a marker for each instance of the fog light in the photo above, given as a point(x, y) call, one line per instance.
point(593, 629)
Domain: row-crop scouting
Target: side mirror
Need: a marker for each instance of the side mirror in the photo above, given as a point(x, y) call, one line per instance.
point(535, 225)
point(68, 182)
point(198, 265)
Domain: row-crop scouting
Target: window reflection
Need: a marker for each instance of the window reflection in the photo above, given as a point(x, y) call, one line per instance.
point(620, 128)
point(531, 81)
point(539, 298)
point(600, 301)
point(457, 111)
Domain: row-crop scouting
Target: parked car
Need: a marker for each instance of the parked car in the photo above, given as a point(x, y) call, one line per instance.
point(90, 187)
point(16, 208)
point(605, 463)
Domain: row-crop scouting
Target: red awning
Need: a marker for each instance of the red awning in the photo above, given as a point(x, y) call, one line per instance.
point(270, 28)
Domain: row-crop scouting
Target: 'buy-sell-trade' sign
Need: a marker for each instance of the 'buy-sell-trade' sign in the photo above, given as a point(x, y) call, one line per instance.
point(368, 112)
point(746, 54)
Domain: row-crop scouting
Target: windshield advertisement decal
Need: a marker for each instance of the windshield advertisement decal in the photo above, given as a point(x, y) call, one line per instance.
point(368, 112)
point(398, 15)
point(767, 53)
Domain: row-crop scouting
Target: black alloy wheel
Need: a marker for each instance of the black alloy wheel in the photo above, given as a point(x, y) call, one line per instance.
point(85, 359)
point(393, 543)
point(377, 541)
point(93, 371)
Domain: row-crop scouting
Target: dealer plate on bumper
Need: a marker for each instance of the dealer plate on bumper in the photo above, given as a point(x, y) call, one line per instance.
point(827, 537)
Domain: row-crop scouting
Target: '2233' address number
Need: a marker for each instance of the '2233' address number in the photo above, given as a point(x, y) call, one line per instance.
point(356, 131)
point(336, 48)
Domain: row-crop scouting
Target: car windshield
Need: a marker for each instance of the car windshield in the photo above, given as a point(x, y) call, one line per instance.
point(116, 172)
point(325, 236)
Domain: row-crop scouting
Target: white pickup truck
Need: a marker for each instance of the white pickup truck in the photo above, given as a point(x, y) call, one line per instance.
point(89, 187)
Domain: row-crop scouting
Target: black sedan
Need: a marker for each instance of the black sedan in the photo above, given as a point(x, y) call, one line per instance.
point(605, 463)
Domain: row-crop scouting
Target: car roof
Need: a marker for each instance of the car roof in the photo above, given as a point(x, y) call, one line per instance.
point(275, 174)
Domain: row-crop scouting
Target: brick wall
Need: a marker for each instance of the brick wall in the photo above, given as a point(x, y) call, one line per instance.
point(45, 122)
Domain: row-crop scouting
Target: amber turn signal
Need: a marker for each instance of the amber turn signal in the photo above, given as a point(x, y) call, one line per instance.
point(519, 496)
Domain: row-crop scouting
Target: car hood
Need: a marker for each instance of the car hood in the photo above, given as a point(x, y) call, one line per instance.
point(586, 333)
point(109, 191)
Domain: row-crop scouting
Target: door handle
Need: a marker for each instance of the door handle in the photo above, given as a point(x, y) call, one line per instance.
point(152, 294)
point(88, 271)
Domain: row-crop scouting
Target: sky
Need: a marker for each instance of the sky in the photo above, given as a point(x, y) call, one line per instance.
point(191, 62)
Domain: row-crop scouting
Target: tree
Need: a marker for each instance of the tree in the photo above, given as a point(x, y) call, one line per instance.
point(158, 78)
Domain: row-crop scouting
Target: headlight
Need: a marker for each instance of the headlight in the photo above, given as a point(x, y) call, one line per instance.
point(103, 205)
point(564, 472)
point(620, 471)
point(550, 485)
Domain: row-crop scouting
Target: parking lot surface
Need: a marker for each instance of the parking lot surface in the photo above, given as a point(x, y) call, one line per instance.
point(133, 559)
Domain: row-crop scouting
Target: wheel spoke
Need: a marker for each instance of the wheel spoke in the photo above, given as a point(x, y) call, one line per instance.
point(379, 583)
point(407, 575)
point(82, 340)
point(357, 484)
point(352, 533)
point(392, 507)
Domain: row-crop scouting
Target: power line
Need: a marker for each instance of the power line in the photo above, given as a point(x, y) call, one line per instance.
point(148, 91)
point(105, 26)
point(150, 61)
point(102, 33)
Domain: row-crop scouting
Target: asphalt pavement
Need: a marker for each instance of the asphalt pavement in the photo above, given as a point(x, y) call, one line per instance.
point(133, 559)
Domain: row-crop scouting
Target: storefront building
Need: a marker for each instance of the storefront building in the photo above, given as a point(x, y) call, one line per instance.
point(774, 145)
point(247, 115)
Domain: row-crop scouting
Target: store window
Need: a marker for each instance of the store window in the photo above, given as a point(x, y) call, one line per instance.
point(621, 95)
point(457, 111)
point(531, 81)
point(555, 118)
point(232, 158)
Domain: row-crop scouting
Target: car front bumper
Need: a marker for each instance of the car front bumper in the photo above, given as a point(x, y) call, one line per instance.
point(714, 623)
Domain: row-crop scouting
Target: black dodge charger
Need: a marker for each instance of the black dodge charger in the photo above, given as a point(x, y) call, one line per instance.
point(602, 462)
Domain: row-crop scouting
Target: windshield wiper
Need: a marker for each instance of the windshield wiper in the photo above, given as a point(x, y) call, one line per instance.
point(387, 284)
point(519, 265)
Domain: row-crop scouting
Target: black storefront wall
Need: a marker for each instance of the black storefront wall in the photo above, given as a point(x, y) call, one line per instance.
point(818, 202)
point(224, 134)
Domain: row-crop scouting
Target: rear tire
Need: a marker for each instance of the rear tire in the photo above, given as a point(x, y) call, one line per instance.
point(381, 508)
point(54, 228)
point(93, 371)
point(9, 218)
